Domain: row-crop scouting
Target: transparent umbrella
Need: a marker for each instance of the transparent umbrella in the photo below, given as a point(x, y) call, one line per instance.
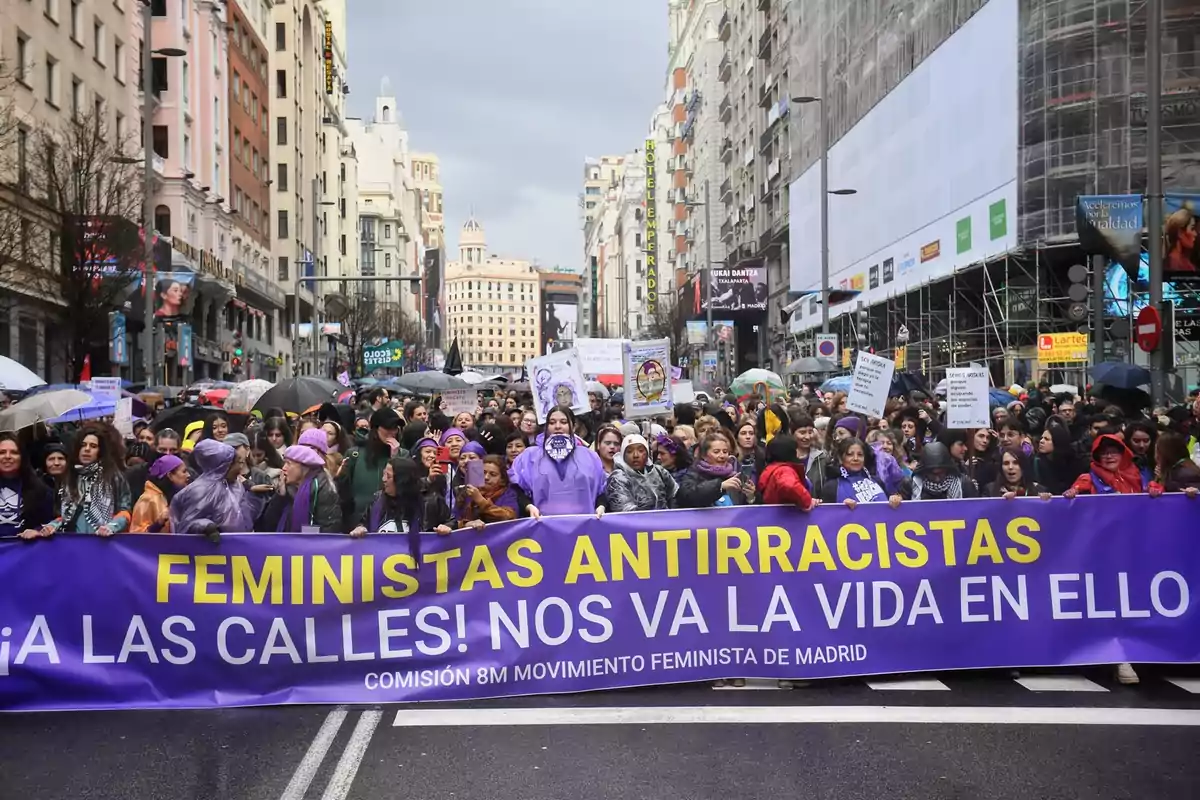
point(42, 407)
point(243, 396)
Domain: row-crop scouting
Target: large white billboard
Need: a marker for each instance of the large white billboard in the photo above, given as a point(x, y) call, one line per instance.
point(935, 169)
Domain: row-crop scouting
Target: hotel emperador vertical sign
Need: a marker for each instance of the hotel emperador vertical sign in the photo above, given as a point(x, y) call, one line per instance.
point(328, 56)
point(651, 232)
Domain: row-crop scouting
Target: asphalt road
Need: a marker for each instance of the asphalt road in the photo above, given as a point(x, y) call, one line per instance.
point(958, 737)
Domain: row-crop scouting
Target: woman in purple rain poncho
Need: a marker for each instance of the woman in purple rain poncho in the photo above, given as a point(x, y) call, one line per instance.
point(215, 502)
point(558, 472)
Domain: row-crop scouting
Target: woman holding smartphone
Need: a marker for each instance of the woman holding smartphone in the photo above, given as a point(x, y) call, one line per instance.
point(488, 495)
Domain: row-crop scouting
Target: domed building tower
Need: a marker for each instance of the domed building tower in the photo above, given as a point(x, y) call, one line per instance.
point(472, 243)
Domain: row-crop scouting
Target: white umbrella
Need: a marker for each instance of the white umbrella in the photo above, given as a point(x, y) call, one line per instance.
point(596, 387)
point(243, 396)
point(41, 407)
point(472, 377)
point(15, 377)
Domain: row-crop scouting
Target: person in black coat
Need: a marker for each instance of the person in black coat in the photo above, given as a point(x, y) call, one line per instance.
point(1056, 465)
point(1016, 477)
point(26, 503)
point(937, 477)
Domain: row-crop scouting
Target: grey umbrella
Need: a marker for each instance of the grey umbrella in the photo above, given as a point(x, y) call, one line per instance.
point(430, 381)
point(813, 364)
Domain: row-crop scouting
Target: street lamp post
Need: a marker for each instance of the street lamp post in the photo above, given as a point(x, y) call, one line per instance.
point(1154, 187)
point(825, 191)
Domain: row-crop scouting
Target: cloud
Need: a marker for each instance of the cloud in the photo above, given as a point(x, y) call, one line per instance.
point(513, 96)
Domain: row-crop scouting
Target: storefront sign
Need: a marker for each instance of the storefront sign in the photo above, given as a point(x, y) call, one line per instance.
point(205, 260)
point(328, 57)
point(1062, 348)
point(385, 355)
point(651, 231)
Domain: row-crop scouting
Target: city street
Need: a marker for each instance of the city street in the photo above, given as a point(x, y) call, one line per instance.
point(959, 736)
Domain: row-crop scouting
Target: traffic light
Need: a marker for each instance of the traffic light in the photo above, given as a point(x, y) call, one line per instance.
point(236, 363)
point(862, 324)
point(238, 352)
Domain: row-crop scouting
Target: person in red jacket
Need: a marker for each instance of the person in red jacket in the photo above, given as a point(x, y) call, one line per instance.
point(783, 482)
point(1112, 472)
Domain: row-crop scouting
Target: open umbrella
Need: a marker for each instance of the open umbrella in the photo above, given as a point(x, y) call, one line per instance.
point(1121, 375)
point(760, 382)
point(296, 395)
point(472, 377)
point(813, 365)
point(179, 417)
point(839, 384)
point(429, 381)
point(15, 377)
point(42, 408)
point(244, 395)
point(596, 387)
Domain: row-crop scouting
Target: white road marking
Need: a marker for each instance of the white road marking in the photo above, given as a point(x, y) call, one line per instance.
point(795, 715)
point(752, 685)
point(352, 756)
point(1190, 685)
point(913, 685)
point(1059, 683)
point(311, 762)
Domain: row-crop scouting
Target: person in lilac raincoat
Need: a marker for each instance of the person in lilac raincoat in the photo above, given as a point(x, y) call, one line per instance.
point(215, 502)
point(558, 471)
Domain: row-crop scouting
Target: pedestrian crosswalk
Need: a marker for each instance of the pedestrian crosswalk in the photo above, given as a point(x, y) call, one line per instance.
point(1039, 683)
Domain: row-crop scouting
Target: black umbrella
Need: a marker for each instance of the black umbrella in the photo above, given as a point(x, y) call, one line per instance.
point(429, 381)
point(297, 395)
point(179, 417)
point(1121, 375)
point(454, 365)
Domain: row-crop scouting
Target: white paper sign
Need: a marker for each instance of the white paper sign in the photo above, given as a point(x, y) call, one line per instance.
point(683, 392)
point(647, 370)
point(106, 390)
point(599, 356)
point(456, 401)
point(123, 419)
point(557, 379)
point(967, 398)
point(870, 384)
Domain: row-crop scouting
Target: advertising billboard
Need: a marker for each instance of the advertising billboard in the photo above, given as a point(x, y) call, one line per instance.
point(934, 166)
point(1181, 249)
point(1111, 226)
point(560, 321)
point(743, 289)
point(434, 281)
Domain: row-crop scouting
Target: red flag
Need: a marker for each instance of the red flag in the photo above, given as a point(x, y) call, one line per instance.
point(86, 375)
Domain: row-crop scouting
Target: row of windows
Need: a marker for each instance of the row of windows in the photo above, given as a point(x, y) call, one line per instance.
point(503, 308)
point(249, 101)
point(244, 41)
point(459, 286)
point(512, 332)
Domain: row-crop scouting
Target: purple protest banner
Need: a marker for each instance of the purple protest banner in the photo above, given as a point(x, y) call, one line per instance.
point(573, 603)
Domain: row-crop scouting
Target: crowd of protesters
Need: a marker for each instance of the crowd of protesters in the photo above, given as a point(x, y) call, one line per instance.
point(391, 466)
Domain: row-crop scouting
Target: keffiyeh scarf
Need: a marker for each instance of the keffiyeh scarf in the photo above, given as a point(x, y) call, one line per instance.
point(949, 487)
point(95, 499)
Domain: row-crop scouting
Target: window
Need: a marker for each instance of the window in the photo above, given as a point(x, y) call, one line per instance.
point(77, 21)
point(51, 10)
point(52, 82)
point(282, 224)
point(254, 107)
point(119, 60)
point(158, 75)
point(254, 162)
point(76, 97)
point(23, 58)
point(638, 293)
point(98, 106)
point(237, 87)
point(186, 86)
point(120, 129)
point(99, 51)
point(23, 158)
point(237, 145)
point(283, 267)
point(281, 177)
point(280, 36)
point(158, 8)
point(281, 83)
point(162, 220)
point(187, 152)
point(281, 128)
point(387, 231)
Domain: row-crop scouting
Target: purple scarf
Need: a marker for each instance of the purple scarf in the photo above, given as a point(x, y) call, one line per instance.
point(303, 500)
point(708, 470)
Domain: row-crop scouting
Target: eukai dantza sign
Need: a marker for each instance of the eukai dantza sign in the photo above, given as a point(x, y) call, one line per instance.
point(578, 604)
point(651, 230)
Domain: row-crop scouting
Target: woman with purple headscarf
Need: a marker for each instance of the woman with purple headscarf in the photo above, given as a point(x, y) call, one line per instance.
point(309, 502)
point(885, 469)
point(215, 502)
point(558, 472)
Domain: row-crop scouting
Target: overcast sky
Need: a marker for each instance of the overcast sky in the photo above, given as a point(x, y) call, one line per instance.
point(512, 95)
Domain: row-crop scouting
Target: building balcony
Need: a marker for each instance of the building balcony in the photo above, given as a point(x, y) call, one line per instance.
point(727, 230)
point(725, 69)
point(727, 150)
point(724, 27)
point(764, 42)
point(766, 140)
point(725, 110)
point(726, 190)
point(765, 97)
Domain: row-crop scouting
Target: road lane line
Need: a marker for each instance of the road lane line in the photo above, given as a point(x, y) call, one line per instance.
point(1059, 683)
point(908, 685)
point(1189, 685)
point(311, 762)
point(352, 756)
point(796, 715)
